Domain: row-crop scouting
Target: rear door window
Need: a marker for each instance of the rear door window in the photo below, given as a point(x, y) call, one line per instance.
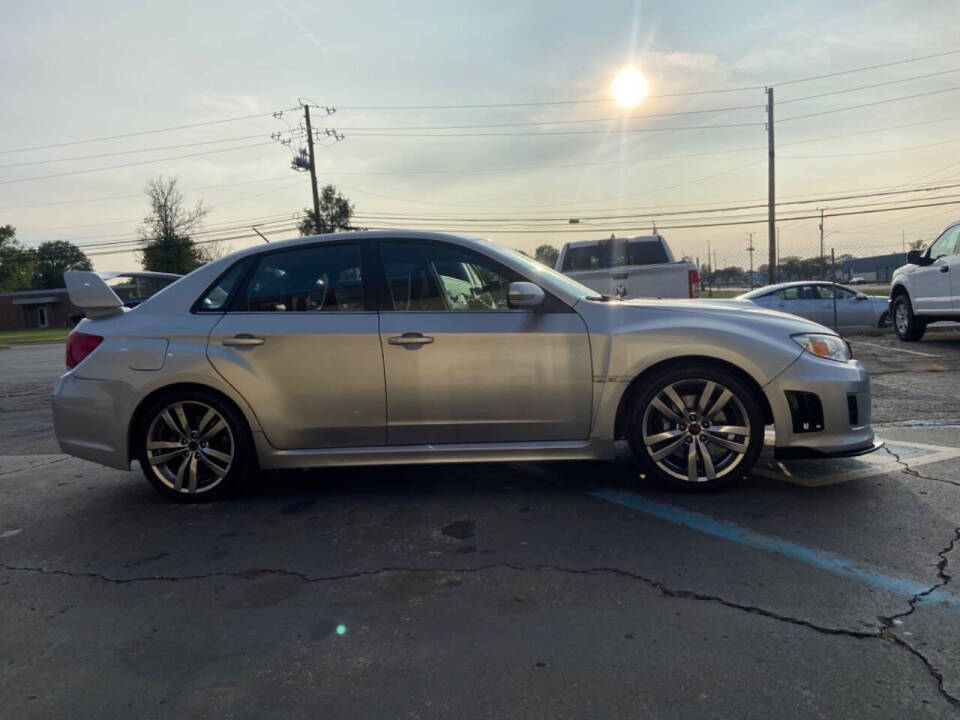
point(320, 278)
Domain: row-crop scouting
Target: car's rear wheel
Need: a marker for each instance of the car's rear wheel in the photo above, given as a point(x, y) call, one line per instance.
point(193, 446)
point(908, 326)
point(697, 428)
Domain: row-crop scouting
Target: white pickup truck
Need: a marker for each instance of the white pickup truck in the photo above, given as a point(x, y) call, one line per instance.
point(927, 288)
point(636, 267)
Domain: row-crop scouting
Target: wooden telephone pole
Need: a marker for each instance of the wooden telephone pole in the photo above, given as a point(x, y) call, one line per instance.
point(313, 167)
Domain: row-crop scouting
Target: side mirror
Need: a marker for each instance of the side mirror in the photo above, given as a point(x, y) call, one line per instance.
point(861, 297)
point(916, 257)
point(524, 295)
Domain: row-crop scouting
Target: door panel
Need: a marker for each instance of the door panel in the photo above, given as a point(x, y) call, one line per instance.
point(316, 381)
point(931, 290)
point(804, 301)
point(300, 348)
point(487, 377)
point(462, 366)
point(852, 314)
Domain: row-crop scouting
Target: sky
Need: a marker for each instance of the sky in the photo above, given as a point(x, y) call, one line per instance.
point(71, 72)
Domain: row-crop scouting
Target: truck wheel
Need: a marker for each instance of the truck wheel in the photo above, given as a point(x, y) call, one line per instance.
point(696, 428)
point(909, 327)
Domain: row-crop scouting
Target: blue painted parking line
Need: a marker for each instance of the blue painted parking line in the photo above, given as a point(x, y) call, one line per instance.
point(821, 559)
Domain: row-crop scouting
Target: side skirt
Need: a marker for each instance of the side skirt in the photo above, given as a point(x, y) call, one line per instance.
point(273, 459)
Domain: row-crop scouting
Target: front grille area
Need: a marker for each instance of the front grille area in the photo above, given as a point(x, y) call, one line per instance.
point(806, 411)
point(853, 410)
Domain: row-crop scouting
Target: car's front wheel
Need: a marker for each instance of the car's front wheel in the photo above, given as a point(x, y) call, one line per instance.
point(908, 326)
point(194, 446)
point(697, 427)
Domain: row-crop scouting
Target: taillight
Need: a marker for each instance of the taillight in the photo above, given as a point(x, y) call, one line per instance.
point(79, 345)
point(694, 278)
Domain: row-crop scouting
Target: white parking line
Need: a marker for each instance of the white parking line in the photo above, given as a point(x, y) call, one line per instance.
point(895, 349)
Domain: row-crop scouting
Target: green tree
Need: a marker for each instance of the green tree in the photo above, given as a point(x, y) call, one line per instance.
point(16, 261)
point(546, 254)
point(52, 259)
point(166, 234)
point(335, 214)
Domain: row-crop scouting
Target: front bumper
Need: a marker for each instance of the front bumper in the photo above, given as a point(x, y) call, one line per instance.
point(843, 392)
point(805, 453)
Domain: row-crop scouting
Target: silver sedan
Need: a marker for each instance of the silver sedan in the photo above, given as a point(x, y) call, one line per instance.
point(405, 347)
point(814, 300)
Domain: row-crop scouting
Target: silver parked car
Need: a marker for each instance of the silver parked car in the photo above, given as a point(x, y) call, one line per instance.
point(407, 347)
point(814, 300)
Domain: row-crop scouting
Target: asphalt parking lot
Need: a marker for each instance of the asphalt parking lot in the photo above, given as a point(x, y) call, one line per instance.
point(814, 589)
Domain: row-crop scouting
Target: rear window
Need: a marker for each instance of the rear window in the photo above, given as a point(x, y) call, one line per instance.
point(616, 254)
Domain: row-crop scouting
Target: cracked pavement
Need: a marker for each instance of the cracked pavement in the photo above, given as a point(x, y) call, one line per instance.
point(477, 590)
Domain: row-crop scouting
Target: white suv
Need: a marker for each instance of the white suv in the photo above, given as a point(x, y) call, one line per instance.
point(927, 288)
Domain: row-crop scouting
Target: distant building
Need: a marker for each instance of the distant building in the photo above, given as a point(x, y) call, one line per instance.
point(878, 268)
point(26, 309)
point(30, 309)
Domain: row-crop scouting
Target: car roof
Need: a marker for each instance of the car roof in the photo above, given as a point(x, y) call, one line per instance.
point(360, 235)
point(767, 289)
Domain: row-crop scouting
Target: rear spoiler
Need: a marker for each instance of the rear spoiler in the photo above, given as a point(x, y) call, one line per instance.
point(90, 292)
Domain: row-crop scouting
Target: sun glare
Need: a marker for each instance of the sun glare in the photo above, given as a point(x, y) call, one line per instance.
point(629, 87)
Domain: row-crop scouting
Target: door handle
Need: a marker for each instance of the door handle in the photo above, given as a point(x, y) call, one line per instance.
point(944, 268)
point(242, 340)
point(411, 339)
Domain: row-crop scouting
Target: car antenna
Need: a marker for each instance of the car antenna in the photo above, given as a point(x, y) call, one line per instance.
point(254, 228)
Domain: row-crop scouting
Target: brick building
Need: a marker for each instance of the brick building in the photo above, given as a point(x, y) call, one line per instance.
point(26, 309)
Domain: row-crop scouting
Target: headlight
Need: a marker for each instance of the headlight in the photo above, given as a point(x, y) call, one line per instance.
point(825, 346)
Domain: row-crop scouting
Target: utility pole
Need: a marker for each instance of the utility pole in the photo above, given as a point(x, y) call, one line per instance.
point(313, 166)
point(750, 250)
point(833, 273)
point(710, 265)
point(771, 195)
point(779, 274)
point(823, 267)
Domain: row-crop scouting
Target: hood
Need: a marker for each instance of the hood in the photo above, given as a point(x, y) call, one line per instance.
point(740, 311)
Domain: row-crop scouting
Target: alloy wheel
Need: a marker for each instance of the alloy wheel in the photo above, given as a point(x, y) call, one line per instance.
point(190, 447)
point(696, 430)
point(901, 318)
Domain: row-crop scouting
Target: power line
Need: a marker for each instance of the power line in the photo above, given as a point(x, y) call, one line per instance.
point(870, 104)
point(554, 122)
point(868, 67)
point(133, 164)
point(145, 132)
point(134, 248)
point(132, 152)
point(140, 195)
point(745, 88)
point(700, 225)
point(551, 133)
point(870, 152)
point(868, 87)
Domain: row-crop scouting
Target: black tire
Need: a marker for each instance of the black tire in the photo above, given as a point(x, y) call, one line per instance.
point(884, 320)
point(234, 439)
point(908, 326)
point(689, 381)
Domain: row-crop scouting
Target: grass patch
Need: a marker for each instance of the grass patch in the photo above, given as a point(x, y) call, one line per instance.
point(16, 337)
point(720, 293)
